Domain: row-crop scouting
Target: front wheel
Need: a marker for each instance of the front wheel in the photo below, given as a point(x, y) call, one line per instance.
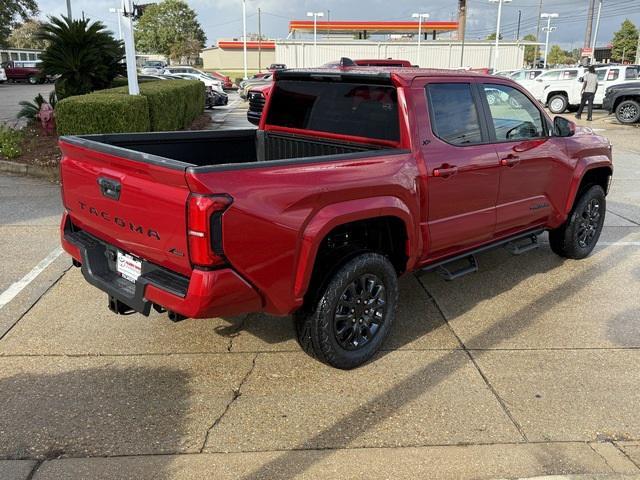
point(578, 236)
point(354, 315)
point(558, 104)
point(628, 111)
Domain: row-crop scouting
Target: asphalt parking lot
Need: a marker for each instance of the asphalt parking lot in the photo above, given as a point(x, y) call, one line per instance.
point(529, 367)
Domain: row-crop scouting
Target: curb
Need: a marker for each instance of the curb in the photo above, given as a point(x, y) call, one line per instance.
point(50, 173)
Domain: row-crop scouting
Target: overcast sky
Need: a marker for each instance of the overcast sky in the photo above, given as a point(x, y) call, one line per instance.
point(223, 18)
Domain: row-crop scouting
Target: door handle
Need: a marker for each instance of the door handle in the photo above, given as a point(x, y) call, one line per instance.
point(445, 171)
point(510, 160)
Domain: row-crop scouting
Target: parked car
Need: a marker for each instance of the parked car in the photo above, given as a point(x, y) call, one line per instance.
point(23, 71)
point(257, 97)
point(153, 67)
point(505, 73)
point(317, 213)
point(526, 77)
point(247, 85)
point(3, 75)
point(227, 84)
point(561, 89)
point(623, 100)
point(208, 80)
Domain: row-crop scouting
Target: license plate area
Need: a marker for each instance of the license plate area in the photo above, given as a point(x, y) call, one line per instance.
point(128, 266)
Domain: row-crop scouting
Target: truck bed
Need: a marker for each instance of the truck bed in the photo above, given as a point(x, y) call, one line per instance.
point(244, 147)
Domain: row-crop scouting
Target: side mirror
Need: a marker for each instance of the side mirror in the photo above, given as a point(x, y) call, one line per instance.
point(563, 127)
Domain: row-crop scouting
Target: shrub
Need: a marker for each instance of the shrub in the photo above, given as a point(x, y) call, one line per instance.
point(84, 54)
point(104, 113)
point(10, 142)
point(173, 104)
point(29, 109)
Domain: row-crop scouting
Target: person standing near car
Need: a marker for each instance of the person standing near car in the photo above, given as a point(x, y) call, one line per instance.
point(589, 87)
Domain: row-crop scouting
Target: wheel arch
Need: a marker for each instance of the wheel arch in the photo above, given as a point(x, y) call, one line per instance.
point(596, 172)
point(354, 212)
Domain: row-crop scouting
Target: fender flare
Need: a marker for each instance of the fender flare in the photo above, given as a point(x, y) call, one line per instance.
point(585, 165)
point(331, 216)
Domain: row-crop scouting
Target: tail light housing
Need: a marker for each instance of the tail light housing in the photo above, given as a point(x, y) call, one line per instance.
point(204, 228)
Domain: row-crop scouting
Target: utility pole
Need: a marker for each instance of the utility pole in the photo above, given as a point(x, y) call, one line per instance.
point(519, 20)
point(595, 33)
point(69, 9)
point(462, 26)
point(537, 52)
point(587, 35)
point(259, 41)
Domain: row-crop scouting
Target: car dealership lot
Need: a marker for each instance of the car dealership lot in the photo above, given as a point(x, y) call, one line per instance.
point(529, 367)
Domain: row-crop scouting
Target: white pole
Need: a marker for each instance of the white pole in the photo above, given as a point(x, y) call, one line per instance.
point(546, 43)
point(419, 38)
point(244, 37)
point(595, 34)
point(315, 39)
point(495, 52)
point(130, 49)
point(119, 26)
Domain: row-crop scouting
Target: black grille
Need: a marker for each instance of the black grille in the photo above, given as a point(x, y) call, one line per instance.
point(256, 102)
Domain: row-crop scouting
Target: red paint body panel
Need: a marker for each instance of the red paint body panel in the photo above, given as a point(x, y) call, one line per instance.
point(281, 212)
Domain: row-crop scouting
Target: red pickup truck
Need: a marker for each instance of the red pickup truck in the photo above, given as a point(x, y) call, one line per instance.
point(23, 71)
point(355, 176)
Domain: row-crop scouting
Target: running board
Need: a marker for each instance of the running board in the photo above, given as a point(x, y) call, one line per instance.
point(448, 274)
point(524, 245)
point(517, 245)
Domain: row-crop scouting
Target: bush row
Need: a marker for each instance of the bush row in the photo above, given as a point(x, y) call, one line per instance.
point(162, 105)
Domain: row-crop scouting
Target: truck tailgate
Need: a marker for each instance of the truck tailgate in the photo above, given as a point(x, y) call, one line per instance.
point(139, 206)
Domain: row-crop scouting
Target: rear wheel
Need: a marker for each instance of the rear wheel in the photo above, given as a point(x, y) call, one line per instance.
point(558, 104)
point(354, 315)
point(33, 80)
point(628, 111)
point(578, 236)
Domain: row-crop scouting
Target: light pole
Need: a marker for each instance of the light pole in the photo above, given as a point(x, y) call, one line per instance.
point(420, 16)
point(495, 52)
point(595, 33)
point(118, 12)
point(548, 29)
point(244, 37)
point(129, 47)
point(69, 9)
point(315, 16)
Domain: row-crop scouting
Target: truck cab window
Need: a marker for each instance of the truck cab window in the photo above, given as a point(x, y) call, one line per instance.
point(454, 117)
point(514, 116)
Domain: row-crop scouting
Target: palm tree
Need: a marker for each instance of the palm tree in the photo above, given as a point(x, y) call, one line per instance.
point(84, 55)
point(29, 110)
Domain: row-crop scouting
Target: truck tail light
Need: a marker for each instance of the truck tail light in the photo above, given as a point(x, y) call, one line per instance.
point(204, 228)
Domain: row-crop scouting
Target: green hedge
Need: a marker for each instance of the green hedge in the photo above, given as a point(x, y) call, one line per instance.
point(168, 105)
point(107, 113)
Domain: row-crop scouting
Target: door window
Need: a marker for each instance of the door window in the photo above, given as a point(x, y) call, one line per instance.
point(631, 73)
point(454, 117)
point(555, 75)
point(514, 116)
point(614, 73)
point(601, 74)
point(569, 74)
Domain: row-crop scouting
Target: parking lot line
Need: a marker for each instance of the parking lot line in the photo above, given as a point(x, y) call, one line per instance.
point(16, 287)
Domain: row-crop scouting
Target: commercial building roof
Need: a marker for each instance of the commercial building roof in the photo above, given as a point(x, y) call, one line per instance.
point(372, 28)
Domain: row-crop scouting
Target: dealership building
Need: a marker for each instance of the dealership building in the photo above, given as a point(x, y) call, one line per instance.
point(439, 46)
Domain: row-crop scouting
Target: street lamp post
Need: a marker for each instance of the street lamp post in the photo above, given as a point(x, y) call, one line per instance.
point(420, 17)
point(129, 47)
point(118, 12)
point(315, 16)
point(595, 33)
point(548, 29)
point(495, 52)
point(244, 37)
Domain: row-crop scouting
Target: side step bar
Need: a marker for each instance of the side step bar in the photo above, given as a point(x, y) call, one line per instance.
point(450, 268)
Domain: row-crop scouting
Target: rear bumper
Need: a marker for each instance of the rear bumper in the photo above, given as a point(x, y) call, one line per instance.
point(207, 293)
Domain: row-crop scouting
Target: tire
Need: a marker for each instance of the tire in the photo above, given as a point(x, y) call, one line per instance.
point(557, 104)
point(577, 237)
point(33, 80)
point(628, 111)
point(342, 331)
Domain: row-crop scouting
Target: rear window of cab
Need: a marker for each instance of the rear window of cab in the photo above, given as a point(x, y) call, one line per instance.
point(352, 109)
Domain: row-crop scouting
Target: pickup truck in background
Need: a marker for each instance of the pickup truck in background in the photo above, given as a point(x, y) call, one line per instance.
point(561, 89)
point(357, 175)
point(623, 100)
point(23, 71)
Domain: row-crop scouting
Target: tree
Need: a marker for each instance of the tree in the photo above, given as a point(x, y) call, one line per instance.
point(625, 41)
point(11, 12)
point(170, 28)
point(24, 35)
point(557, 56)
point(529, 50)
point(84, 54)
point(492, 36)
